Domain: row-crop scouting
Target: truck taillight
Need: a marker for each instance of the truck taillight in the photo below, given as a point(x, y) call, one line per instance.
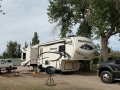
point(98, 65)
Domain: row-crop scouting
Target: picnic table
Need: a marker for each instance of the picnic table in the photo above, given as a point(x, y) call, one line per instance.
point(12, 70)
point(9, 69)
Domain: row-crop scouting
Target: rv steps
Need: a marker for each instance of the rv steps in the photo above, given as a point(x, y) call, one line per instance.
point(25, 64)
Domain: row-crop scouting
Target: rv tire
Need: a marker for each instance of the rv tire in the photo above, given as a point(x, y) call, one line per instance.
point(35, 68)
point(39, 69)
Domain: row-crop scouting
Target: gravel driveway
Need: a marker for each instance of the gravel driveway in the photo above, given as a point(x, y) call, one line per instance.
point(67, 81)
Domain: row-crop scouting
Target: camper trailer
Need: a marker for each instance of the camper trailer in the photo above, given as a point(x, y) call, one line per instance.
point(64, 54)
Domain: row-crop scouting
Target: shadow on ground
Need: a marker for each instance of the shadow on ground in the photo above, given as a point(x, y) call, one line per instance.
point(116, 82)
point(81, 73)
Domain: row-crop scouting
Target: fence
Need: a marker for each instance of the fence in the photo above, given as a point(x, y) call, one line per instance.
point(16, 61)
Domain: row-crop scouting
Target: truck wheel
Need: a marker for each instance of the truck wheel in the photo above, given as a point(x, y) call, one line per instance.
point(106, 77)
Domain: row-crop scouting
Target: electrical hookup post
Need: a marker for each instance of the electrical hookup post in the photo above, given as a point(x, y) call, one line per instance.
point(50, 71)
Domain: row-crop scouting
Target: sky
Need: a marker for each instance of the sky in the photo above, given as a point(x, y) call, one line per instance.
point(24, 17)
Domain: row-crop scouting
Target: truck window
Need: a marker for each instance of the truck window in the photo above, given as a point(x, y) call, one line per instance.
point(24, 55)
point(9, 61)
point(2, 61)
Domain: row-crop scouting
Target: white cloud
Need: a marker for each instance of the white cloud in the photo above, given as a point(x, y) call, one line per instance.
point(31, 16)
point(20, 26)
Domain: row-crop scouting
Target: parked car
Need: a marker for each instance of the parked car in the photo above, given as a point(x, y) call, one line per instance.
point(109, 71)
point(5, 63)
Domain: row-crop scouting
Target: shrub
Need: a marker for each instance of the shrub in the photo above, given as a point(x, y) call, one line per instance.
point(95, 60)
point(114, 55)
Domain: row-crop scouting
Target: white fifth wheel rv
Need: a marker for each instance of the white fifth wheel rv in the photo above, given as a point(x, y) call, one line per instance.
point(63, 54)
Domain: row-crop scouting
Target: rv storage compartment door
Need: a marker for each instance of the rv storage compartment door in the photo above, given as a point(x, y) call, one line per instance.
point(33, 55)
point(70, 65)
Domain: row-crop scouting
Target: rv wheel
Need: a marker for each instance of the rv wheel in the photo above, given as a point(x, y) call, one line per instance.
point(36, 69)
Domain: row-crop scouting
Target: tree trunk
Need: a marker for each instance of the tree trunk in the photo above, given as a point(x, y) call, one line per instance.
point(104, 52)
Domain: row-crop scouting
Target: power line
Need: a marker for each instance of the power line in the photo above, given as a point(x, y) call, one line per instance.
point(10, 8)
point(14, 11)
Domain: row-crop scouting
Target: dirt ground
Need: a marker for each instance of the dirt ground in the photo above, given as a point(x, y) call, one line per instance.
point(27, 80)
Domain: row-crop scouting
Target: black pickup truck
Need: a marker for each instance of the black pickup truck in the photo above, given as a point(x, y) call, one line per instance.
point(109, 71)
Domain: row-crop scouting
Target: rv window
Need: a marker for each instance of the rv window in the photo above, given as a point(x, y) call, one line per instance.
point(24, 55)
point(46, 62)
point(61, 48)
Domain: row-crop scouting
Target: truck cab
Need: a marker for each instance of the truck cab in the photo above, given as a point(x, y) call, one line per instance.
point(4, 63)
point(109, 71)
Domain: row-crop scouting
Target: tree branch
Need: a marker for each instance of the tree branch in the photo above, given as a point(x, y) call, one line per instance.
point(114, 33)
point(112, 30)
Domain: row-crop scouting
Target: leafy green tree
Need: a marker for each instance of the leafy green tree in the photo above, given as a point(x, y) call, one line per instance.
point(35, 39)
point(68, 13)
point(98, 50)
point(25, 45)
point(13, 50)
point(114, 54)
point(18, 51)
point(5, 55)
point(85, 30)
point(0, 57)
point(105, 19)
point(98, 17)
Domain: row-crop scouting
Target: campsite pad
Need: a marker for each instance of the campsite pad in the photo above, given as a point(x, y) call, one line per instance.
point(38, 74)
